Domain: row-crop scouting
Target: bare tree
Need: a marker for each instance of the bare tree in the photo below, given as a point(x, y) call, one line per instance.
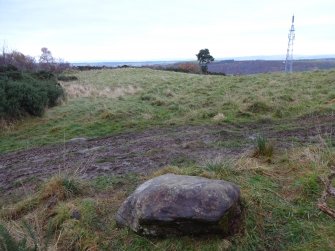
point(3, 61)
point(46, 60)
point(22, 62)
point(46, 56)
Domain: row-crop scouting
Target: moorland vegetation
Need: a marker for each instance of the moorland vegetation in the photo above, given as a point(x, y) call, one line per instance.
point(271, 134)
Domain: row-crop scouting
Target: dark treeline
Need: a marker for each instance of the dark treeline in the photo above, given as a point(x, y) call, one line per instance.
point(92, 67)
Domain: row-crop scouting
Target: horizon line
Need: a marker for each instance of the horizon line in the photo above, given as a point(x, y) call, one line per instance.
point(237, 58)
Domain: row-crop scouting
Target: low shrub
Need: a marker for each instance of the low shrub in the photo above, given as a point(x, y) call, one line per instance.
point(189, 68)
point(180, 67)
point(24, 94)
point(10, 72)
point(44, 75)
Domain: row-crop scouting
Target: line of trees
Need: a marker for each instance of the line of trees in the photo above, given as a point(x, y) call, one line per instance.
point(26, 63)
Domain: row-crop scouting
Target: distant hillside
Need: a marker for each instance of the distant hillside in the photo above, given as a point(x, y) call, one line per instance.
point(118, 64)
point(232, 67)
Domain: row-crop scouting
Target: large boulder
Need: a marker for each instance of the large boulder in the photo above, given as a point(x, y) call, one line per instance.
point(177, 204)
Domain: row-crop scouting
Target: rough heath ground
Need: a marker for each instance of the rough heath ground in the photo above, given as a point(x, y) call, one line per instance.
point(272, 134)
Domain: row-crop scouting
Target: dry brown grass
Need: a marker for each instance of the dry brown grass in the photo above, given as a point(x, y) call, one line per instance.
point(332, 101)
point(79, 90)
point(6, 125)
point(147, 116)
point(219, 117)
point(247, 163)
point(56, 189)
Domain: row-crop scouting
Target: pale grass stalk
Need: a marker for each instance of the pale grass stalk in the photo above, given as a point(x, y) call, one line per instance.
point(58, 238)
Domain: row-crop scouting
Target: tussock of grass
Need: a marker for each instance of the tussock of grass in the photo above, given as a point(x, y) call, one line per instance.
point(61, 188)
point(58, 188)
point(263, 147)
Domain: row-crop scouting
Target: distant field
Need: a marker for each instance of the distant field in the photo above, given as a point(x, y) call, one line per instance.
point(232, 67)
point(104, 102)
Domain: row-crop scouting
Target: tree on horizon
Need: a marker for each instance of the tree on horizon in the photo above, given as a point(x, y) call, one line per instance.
point(204, 58)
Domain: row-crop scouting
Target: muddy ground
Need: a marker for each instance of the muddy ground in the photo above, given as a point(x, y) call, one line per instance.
point(143, 152)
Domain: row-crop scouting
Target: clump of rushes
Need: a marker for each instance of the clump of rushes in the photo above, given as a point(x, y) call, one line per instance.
point(263, 147)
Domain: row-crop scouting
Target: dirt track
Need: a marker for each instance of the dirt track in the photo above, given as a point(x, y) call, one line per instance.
point(145, 151)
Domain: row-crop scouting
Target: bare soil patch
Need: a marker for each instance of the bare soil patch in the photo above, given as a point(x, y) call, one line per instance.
point(146, 151)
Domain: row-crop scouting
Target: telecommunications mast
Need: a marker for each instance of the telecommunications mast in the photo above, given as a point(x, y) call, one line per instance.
point(289, 54)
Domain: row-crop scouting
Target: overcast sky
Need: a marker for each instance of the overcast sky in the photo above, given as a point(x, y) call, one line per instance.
point(138, 30)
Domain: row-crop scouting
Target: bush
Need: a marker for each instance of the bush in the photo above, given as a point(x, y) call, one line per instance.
point(184, 67)
point(30, 94)
point(10, 72)
point(67, 78)
point(22, 97)
point(54, 92)
point(189, 68)
point(44, 75)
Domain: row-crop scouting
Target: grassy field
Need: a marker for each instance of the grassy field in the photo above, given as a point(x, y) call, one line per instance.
point(106, 102)
point(280, 186)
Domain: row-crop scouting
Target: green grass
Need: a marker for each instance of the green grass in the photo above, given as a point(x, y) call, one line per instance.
point(168, 99)
point(279, 202)
point(279, 197)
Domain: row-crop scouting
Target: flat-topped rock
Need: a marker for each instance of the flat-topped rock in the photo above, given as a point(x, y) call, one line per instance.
point(177, 204)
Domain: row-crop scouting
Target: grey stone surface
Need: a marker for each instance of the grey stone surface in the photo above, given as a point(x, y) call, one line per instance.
point(177, 204)
point(90, 150)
